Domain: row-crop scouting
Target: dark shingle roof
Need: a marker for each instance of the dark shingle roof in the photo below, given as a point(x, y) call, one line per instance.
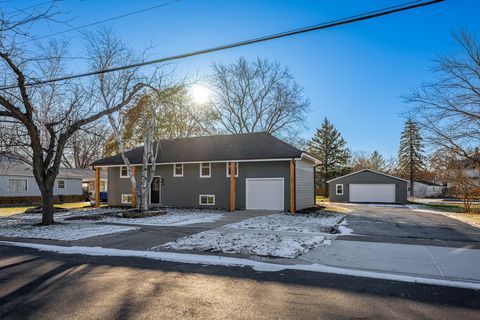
point(259, 145)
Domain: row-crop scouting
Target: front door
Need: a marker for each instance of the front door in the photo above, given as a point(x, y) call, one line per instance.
point(155, 191)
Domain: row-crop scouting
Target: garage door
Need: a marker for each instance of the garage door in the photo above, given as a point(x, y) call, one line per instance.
point(384, 193)
point(264, 193)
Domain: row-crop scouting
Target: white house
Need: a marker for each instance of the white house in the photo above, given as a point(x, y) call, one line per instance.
point(426, 189)
point(18, 185)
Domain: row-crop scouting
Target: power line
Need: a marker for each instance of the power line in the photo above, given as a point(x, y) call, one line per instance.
point(326, 25)
point(29, 7)
point(103, 21)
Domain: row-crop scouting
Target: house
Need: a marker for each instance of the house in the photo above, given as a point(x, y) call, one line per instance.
point(426, 189)
point(18, 185)
point(368, 186)
point(197, 172)
point(88, 180)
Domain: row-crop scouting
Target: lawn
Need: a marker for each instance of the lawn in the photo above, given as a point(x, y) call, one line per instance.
point(8, 211)
point(446, 207)
point(469, 217)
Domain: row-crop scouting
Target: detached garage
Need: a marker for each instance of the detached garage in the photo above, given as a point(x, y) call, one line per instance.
point(368, 186)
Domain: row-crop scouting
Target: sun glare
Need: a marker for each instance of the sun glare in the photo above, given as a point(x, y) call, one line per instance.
point(200, 94)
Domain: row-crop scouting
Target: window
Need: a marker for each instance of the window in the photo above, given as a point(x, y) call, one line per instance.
point(17, 185)
point(61, 184)
point(178, 170)
point(126, 199)
point(228, 169)
point(103, 185)
point(339, 189)
point(205, 170)
point(207, 199)
point(123, 172)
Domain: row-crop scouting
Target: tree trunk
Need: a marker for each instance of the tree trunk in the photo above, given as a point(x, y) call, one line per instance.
point(47, 207)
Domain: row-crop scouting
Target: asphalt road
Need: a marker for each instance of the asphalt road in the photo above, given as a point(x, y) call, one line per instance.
point(402, 225)
point(39, 285)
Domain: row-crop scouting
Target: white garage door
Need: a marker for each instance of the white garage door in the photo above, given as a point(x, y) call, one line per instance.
point(384, 193)
point(264, 193)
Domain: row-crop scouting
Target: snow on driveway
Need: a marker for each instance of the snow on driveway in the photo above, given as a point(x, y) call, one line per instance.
point(174, 217)
point(305, 223)
point(260, 244)
point(62, 231)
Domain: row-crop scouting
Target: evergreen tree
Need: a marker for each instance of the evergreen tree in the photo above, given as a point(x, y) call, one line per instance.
point(410, 154)
point(330, 148)
point(376, 161)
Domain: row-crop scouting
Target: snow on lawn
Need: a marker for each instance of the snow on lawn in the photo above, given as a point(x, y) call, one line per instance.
point(260, 244)
point(305, 223)
point(174, 217)
point(63, 231)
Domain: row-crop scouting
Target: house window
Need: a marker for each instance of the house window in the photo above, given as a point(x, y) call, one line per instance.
point(178, 170)
point(17, 185)
point(205, 170)
point(123, 172)
point(207, 199)
point(339, 189)
point(61, 184)
point(126, 199)
point(103, 185)
point(228, 169)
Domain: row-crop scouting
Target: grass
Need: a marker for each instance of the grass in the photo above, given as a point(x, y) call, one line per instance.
point(446, 207)
point(8, 211)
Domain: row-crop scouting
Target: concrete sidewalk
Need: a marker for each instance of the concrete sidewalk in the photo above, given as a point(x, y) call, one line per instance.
point(414, 260)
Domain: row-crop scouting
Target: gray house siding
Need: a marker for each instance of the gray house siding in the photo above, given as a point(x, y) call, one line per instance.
point(367, 177)
point(184, 191)
point(304, 184)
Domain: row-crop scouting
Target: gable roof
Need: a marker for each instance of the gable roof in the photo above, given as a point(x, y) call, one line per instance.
point(233, 147)
point(373, 171)
point(18, 168)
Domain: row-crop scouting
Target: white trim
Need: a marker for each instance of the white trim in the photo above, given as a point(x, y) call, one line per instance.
point(122, 176)
point(175, 171)
point(64, 184)
point(237, 167)
point(383, 174)
point(206, 195)
point(209, 170)
point(159, 192)
point(21, 178)
point(336, 189)
point(125, 194)
point(194, 162)
point(309, 157)
point(259, 179)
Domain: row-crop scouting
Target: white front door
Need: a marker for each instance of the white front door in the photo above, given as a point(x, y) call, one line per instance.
point(382, 193)
point(264, 194)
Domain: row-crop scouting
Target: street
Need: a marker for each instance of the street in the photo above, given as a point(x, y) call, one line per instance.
point(38, 285)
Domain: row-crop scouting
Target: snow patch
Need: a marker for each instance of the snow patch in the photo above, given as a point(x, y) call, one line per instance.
point(63, 231)
point(286, 222)
point(172, 218)
point(230, 261)
point(260, 244)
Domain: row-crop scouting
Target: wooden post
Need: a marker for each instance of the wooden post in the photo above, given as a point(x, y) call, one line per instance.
point(292, 187)
point(132, 190)
point(232, 186)
point(97, 187)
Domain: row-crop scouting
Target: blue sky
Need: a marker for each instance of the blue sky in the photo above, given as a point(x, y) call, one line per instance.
point(354, 75)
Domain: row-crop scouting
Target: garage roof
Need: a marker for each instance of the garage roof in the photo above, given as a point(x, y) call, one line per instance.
point(250, 146)
point(377, 172)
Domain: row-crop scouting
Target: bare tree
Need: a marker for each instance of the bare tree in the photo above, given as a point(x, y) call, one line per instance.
point(40, 119)
point(448, 108)
point(257, 96)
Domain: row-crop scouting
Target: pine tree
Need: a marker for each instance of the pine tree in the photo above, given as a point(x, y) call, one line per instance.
point(376, 161)
point(410, 154)
point(330, 148)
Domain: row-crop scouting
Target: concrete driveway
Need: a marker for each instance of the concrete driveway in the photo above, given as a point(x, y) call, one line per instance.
point(400, 224)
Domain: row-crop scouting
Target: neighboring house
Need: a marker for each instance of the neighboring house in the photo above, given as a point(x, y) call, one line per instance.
point(88, 180)
point(426, 189)
point(18, 185)
point(368, 186)
point(195, 172)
